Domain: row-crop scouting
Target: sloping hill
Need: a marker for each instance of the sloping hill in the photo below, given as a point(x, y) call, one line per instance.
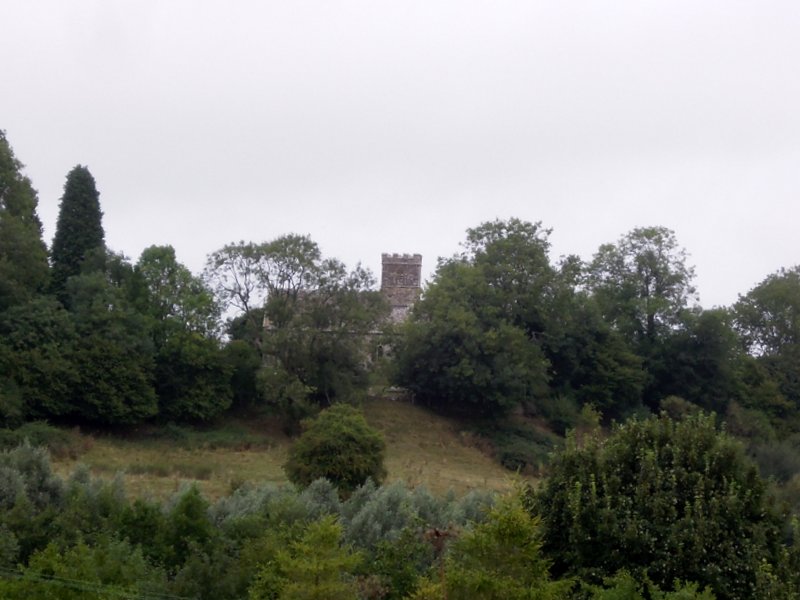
point(426, 449)
point(422, 449)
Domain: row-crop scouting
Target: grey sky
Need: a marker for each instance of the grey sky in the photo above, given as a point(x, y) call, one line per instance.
point(393, 126)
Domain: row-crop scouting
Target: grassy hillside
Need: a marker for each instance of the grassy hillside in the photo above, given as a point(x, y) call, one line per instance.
point(422, 449)
point(426, 449)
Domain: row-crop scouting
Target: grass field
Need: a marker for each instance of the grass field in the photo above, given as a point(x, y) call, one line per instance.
point(422, 449)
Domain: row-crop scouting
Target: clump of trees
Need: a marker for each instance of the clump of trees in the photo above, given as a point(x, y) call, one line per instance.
point(91, 337)
point(502, 327)
point(308, 319)
point(24, 271)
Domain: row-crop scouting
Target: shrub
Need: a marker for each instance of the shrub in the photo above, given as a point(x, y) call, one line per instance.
point(498, 559)
point(340, 446)
point(677, 408)
point(387, 512)
point(670, 500)
point(315, 566)
point(320, 499)
point(398, 564)
point(188, 528)
point(32, 465)
point(520, 448)
point(473, 506)
point(60, 442)
point(247, 501)
point(624, 587)
point(111, 568)
point(561, 412)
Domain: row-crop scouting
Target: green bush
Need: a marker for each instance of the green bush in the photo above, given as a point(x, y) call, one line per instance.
point(188, 528)
point(320, 499)
point(107, 569)
point(314, 567)
point(669, 500)
point(400, 563)
point(31, 467)
point(498, 559)
point(340, 446)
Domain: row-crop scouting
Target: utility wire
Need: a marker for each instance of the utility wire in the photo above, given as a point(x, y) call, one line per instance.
point(88, 586)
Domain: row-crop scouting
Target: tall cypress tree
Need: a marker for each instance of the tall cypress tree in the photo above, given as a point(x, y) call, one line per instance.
point(79, 230)
point(23, 254)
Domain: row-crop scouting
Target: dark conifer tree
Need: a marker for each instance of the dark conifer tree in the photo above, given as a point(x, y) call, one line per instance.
point(79, 229)
point(23, 254)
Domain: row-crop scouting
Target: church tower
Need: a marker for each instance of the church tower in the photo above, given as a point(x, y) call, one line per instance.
point(401, 276)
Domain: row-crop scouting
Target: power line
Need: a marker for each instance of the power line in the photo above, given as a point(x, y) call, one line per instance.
point(88, 586)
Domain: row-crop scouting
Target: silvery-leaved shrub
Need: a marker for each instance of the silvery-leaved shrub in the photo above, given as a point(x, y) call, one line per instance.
point(41, 487)
point(382, 517)
point(321, 499)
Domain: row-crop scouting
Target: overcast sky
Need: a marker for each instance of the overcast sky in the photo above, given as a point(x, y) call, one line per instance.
point(393, 126)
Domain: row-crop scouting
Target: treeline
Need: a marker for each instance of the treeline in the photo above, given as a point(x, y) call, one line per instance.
point(88, 337)
point(659, 509)
point(504, 327)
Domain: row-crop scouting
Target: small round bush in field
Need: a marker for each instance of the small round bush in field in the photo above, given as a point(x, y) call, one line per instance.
point(340, 446)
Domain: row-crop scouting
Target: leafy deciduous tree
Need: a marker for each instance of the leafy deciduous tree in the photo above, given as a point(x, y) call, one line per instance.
point(768, 316)
point(473, 342)
point(23, 255)
point(768, 320)
point(590, 361)
point(235, 274)
point(319, 337)
point(193, 378)
point(642, 282)
point(38, 342)
point(700, 362)
point(179, 301)
point(114, 351)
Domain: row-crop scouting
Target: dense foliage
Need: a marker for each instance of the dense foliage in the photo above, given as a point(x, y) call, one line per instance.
point(111, 343)
point(500, 327)
point(666, 500)
point(23, 255)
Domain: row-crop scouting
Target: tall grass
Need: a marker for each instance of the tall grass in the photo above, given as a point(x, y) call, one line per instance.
point(422, 449)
